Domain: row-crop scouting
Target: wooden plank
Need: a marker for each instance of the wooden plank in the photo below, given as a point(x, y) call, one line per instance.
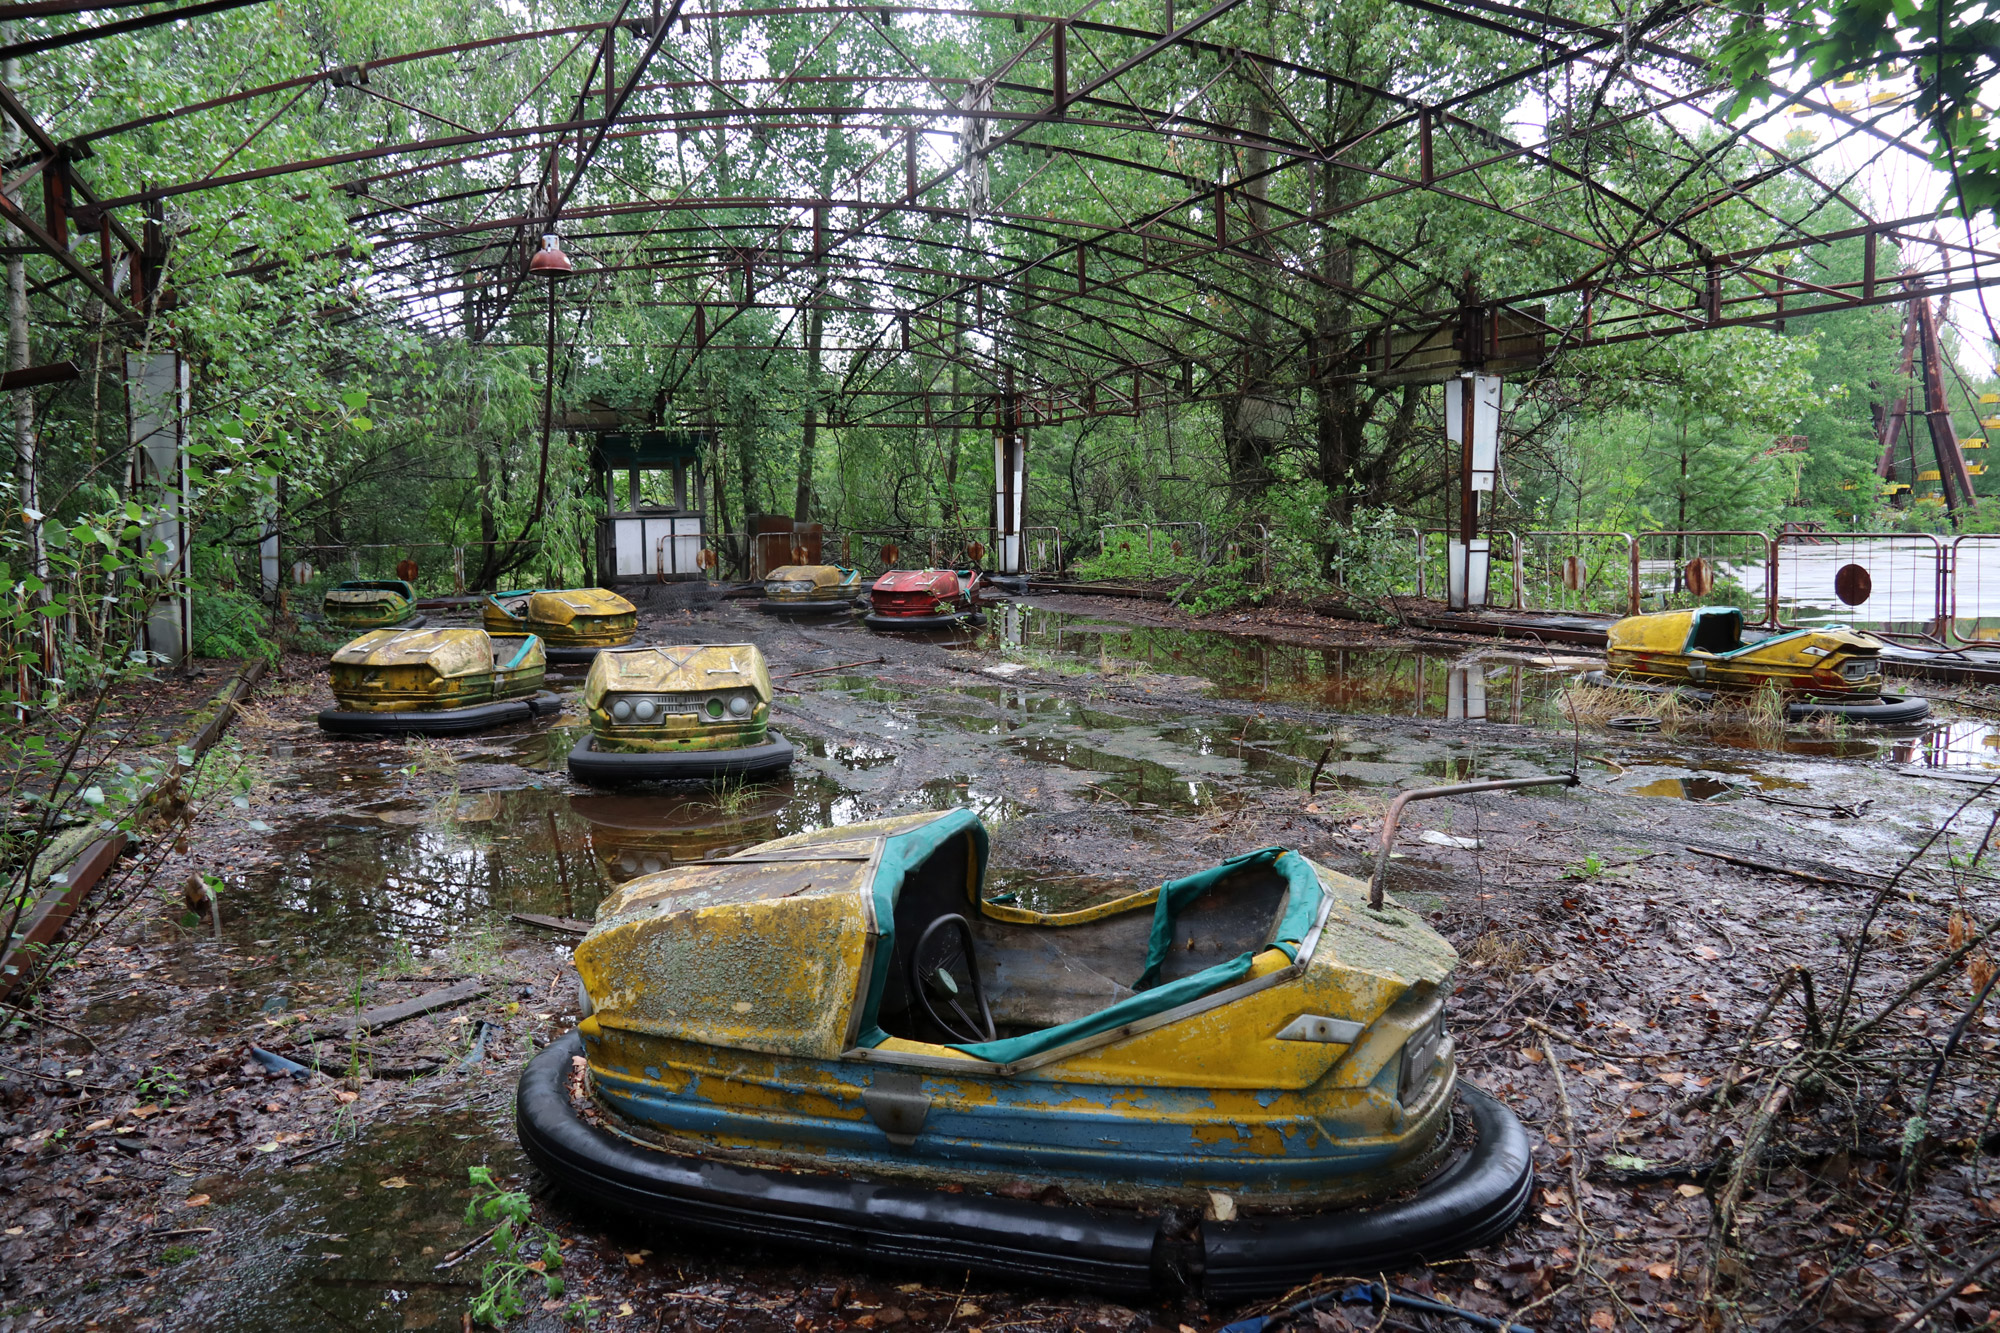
point(564, 925)
point(236, 692)
point(66, 892)
point(388, 1015)
point(1100, 590)
point(67, 889)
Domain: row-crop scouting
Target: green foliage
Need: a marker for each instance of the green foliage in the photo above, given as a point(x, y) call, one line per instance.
point(369, 434)
point(1373, 553)
point(502, 1281)
point(1951, 48)
point(162, 1085)
point(230, 624)
point(1143, 554)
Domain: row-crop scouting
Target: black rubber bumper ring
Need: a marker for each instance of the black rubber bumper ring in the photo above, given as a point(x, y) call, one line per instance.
point(974, 621)
point(441, 722)
point(831, 1215)
point(579, 656)
point(614, 768)
point(1885, 710)
point(1470, 1203)
point(1888, 710)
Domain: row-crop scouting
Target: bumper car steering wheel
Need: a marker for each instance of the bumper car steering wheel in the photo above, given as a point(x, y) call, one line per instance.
point(945, 978)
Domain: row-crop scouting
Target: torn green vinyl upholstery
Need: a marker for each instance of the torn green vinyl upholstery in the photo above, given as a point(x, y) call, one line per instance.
point(1303, 907)
point(901, 854)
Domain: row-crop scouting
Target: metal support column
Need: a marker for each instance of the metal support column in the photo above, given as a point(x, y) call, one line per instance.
point(1010, 483)
point(1472, 417)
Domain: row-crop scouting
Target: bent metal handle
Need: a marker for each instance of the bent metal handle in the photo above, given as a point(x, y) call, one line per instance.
point(1395, 814)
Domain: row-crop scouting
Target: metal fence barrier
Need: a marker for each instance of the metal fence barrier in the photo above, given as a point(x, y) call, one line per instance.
point(317, 566)
point(868, 549)
point(1676, 569)
point(1903, 589)
point(1174, 545)
point(1911, 586)
point(1575, 571)
point(1975, 589)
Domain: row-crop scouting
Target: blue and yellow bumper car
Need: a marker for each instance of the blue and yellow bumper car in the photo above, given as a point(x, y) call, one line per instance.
point(1227, 1084)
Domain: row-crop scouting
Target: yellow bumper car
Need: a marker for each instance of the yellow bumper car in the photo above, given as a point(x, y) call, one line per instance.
point(572, 623)
point(436, 682)
point(370, 604)
point(661, 714)
point(1227, 1084)
point(810, 590)
point(1702, 653)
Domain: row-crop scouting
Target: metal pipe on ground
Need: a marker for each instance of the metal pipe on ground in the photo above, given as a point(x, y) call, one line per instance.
point(1395, 815)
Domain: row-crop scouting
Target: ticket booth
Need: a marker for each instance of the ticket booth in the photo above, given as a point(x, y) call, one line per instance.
point(653, 529)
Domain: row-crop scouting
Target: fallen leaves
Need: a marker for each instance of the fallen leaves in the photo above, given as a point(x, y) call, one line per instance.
point(197, 1201)
point(395, 1183)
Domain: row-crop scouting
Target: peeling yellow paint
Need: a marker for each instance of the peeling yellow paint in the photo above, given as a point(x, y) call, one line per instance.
point(565, 617)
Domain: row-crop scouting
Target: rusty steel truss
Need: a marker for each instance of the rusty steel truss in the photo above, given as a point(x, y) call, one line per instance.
point(1203, 266)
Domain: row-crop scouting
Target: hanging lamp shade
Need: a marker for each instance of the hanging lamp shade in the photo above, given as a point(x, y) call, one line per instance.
point(550, 261)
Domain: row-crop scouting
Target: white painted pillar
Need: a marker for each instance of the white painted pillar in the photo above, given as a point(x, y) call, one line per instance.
point(1472, 421)
point(157, 413)
point(267, 545)
point(1010, 484)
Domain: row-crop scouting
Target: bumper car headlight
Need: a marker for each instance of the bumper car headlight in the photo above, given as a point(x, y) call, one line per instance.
point(1420, 1058)
point(739, 707)
point(637, 708)
point(1857, 668)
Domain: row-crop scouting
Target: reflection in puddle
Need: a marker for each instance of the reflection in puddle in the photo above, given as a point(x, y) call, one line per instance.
point(1686, 789)
point(637, 835)
point(1959, 744)
point(1496, 685)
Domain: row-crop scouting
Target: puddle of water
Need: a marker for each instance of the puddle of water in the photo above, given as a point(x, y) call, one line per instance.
point(1413, 682)
point(1968, 744)
point(353, 1245)
point(1686, 789)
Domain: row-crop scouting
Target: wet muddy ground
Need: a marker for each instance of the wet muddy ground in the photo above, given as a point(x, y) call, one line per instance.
point(154, 1175)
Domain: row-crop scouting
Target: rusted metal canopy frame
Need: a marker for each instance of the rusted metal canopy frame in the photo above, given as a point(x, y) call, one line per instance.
point(56, 40)
point(1108, 303)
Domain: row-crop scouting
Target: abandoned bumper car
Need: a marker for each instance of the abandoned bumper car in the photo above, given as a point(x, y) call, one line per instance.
point(436, 682)
point(809, 590)
point(1698, 654)
point(370, 604)
point(697, 712)
point(572, 623)
point(835, 1040)
point(924, 599)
